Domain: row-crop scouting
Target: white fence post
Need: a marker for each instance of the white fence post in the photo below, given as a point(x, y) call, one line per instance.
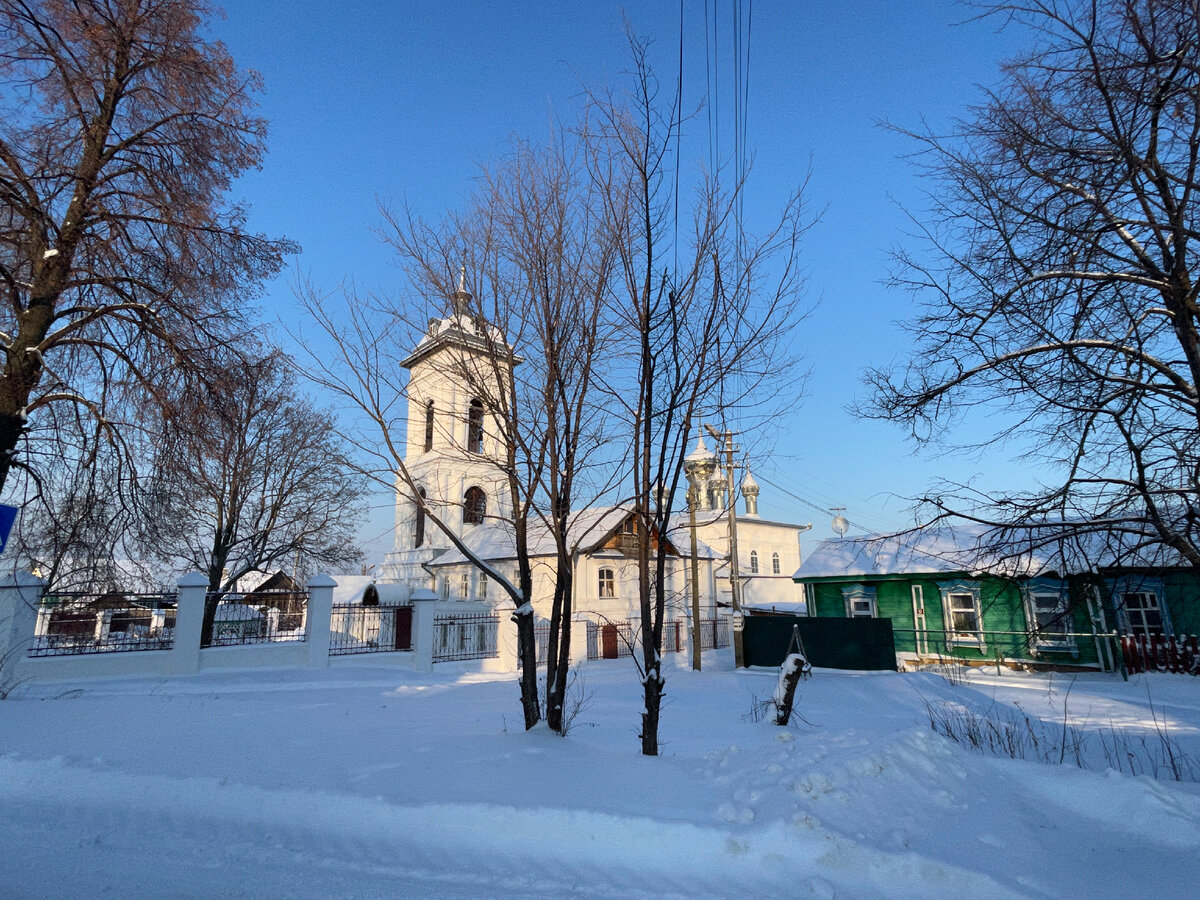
point(319, 615)
point(189, 622)
point(424, 604)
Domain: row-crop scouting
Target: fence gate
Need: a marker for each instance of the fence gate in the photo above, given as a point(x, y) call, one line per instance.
point(404, 628)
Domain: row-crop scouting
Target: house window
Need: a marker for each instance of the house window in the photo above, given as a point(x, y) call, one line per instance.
point(464, 586)
point(774, 563)
point(630, 527)
point(446, 588)
point(860, 601)
point(1049, 616)
point(608, 584)
point(962, 614)
point(482, 586)
point(753, 562)
point(419, 537)
point(475, 427)
point(474, 506)
point(428, 426)
point(1143, 612)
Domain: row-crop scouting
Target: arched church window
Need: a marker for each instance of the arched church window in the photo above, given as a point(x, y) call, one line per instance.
point(474, 506)
point(419, 537)
point(475, 427)
point(753, 562)
point(774, 563)
point(429, 426)
point(608, 584)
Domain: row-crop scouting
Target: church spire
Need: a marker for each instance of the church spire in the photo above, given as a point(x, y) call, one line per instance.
point(460, 300)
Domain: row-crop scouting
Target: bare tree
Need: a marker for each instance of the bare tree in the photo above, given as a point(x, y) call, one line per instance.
point(250, 476)
point(121, 130)
point(535, 243)
point(1059, 284)
point(80, 519)
point(703, 328)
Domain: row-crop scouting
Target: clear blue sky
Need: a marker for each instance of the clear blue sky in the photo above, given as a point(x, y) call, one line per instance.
point(401, 102)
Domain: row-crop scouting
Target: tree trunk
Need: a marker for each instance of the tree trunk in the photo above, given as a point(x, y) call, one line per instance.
point(527, 651)
point(558, 657)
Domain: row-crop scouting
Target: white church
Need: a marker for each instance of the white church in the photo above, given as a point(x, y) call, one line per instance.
point(451, 454)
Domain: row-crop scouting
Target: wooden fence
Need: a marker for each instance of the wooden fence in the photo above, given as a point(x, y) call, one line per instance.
point(1161, 654)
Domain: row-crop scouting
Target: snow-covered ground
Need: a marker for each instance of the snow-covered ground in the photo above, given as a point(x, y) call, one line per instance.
point(370, 782)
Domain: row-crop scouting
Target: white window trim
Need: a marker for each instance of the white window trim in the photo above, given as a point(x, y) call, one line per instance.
point(1136, 584)
point(600, 580)
point(1030, 591)
point(962, 638)
point(753, 562)
point(859, 592)
point(775, 565)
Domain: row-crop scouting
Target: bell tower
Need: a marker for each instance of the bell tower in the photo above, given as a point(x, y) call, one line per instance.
point(459, 373)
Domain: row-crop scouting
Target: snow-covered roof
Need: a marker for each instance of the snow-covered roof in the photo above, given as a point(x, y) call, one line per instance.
point(350, 589)
point(236, 612)
point(977, 549)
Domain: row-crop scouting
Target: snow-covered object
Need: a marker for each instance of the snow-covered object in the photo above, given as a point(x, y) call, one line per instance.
point(236, 612)
point(978, 549)
point(794, 662)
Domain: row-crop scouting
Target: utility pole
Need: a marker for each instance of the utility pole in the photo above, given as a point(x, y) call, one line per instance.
point(735, 584)
point(693, 498)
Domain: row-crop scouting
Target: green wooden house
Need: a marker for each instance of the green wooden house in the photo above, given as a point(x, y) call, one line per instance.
point(960, 594)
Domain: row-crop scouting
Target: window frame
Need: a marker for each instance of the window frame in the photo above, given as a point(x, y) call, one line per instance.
point(859, 601)
point(429, 412)
point(475, 426)
point(775, 565)
point(1136, 585)
point(474, 505)
point(1057, 592)
point(954, 636)
point(606, 583)
point(753, 562)
point(419, 525)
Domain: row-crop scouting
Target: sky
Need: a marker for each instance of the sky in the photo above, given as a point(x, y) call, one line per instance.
point(397, 103)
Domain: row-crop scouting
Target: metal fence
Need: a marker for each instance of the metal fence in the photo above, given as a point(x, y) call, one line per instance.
point(259, 617)
point(465, 637)
point(611, 640)
point(369, 629)
point(714, 633)
point(1068, 649)
point(75, 623)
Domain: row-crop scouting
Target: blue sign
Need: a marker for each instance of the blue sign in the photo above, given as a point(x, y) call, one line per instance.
point(8, 515)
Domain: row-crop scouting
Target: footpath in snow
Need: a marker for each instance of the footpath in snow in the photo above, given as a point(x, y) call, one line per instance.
point(371, 782)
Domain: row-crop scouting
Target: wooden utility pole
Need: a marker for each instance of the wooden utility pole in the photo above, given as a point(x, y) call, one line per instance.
point(735, 583)
point(693, 497)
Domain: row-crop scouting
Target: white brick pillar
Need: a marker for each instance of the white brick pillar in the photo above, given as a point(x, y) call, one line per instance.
point(320, 614)
point(20, 595)
point(189, 621)
point(424, 604)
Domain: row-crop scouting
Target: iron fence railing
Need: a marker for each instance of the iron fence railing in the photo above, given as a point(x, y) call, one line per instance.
point(465, 637)
point(111, 622)
point(369, 629)
point(259, 617)
point(714, 633)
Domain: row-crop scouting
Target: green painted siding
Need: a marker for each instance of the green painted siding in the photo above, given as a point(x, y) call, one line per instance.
point(1004, 621)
